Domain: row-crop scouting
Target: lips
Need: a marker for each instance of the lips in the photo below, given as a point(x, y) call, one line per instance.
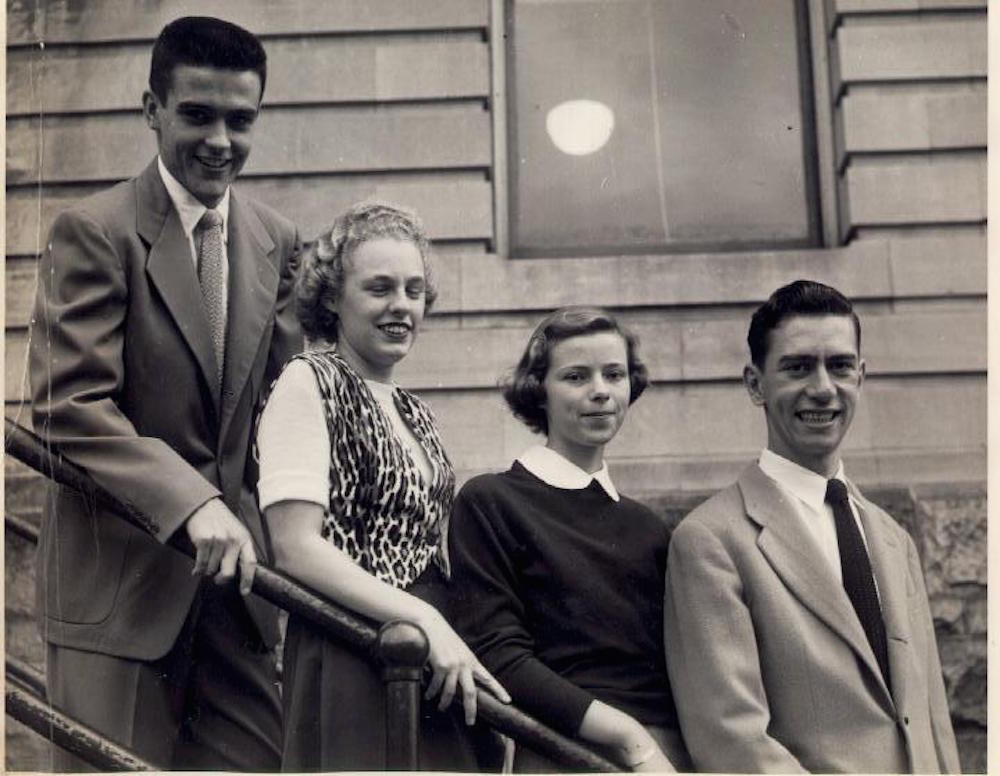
point(212, 163)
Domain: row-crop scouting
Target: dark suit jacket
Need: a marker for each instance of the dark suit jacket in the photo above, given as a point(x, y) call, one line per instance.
point(770, 667)
point(124, 381)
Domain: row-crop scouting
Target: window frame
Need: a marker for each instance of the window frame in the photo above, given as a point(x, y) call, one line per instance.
point(818, 136)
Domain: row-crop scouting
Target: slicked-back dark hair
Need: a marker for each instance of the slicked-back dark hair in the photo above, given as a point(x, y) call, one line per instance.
point(524, 388)
point(803, 297)
point(204, 41)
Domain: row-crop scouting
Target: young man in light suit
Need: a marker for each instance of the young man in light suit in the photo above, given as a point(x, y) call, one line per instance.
point(798, 631)
point(162, 314)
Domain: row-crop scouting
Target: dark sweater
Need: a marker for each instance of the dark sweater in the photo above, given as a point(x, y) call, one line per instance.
point(560, 594)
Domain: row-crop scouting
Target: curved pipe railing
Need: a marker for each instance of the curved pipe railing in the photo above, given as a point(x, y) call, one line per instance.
point(392, 644)
point(26, 706)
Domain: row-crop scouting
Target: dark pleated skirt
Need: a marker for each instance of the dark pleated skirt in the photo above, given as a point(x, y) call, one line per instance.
point(334, 708)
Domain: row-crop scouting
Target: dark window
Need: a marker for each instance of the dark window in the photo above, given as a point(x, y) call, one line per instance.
point(652, 125)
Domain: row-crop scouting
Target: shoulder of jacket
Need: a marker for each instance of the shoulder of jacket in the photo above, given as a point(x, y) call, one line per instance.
point(273, 221)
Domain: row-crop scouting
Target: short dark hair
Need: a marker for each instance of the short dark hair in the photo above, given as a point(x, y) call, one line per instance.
point(524, 388)
point(321, 273)
point(204, 41)
point(803, 297)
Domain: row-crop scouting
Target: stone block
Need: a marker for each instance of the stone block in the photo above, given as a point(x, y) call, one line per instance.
point(19, 575)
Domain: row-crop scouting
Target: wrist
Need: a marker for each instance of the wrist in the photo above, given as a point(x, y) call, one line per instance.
point(639, 753)
point(637, 745)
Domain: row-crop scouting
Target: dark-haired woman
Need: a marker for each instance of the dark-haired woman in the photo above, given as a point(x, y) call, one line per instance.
point(558, 579)
point(356, 488)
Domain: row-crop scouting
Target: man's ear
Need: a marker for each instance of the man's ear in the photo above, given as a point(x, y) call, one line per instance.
point(151, 109)
point(861, 374)
point(751, 380)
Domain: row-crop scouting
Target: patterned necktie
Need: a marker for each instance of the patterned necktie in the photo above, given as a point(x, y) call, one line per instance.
point(210, 277)
point(858, 580)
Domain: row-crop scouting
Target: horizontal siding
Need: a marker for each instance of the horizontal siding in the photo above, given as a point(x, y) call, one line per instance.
point(910, 114)
point(926, 189)
point(427, 66)
point(453, 206)
point(286, 142)
point(912, 50)
point(107, 20)
point(706, 433)
point(476, 283)
point(926, 118)
point(869, 270)
point(675, 350)
point(841, 7)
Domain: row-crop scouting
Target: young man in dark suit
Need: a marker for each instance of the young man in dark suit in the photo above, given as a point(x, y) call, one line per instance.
point(798, 631)
point(162, 314)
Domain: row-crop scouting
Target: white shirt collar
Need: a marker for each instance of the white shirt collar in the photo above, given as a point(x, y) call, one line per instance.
point(188, 208)
point(801, 482)
point(555, 470)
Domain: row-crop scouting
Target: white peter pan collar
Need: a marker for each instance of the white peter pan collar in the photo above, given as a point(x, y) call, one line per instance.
point(555, 470)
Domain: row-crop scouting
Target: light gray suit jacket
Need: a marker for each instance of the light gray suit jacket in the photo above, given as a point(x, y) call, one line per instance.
point(769, 664)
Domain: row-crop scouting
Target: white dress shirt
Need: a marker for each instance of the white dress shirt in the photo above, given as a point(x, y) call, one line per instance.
point(190, 211)
point(555, 470)
point(808, 491)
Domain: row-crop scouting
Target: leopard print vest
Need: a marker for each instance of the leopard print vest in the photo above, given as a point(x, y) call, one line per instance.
point(382, 512)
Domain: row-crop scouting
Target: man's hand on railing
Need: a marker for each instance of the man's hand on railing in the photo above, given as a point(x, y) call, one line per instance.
point(454, 667)
point(221, 542)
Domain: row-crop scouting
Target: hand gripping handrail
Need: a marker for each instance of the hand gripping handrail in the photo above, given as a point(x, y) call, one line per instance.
point(400, 647)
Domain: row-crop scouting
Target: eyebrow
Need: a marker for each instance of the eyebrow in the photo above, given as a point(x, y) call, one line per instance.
point(392, 279)
point(808, 357)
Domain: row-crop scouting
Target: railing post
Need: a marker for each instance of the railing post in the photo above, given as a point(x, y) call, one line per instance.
point(402, 649)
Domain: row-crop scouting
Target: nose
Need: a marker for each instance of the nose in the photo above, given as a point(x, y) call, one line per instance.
point(218, 135)
point(599, 389)
point(821, 386)
point(399, 302)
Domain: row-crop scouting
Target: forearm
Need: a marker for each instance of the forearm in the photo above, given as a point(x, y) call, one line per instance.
point(315, 562)
point(607, 726)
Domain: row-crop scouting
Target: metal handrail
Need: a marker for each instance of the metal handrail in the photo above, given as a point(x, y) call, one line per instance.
point(24, 705)
point(336, 621)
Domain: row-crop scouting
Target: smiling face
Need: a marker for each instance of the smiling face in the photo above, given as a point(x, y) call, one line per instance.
point(381, 305)
point(205, 126)
point(809, 388)
point(586, 395)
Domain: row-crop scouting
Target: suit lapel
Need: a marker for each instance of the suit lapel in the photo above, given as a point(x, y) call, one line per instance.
point(793, 554)
point(171, 270)
point(253, 288)
point(889, 566)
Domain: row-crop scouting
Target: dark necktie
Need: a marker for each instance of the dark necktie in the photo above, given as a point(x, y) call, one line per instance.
point(857, 570)
point(210, 277)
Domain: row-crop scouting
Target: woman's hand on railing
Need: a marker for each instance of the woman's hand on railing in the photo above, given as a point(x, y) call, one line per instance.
point(635, 746)
point(657, 762)
point(454, 667)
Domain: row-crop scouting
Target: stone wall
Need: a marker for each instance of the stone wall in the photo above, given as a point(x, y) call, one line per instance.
point(947, 522)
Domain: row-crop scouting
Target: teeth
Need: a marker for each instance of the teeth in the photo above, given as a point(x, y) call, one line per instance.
point(395, 328)
point(816, 417)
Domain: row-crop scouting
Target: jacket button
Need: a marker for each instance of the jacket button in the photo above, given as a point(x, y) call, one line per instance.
point(906, 720)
